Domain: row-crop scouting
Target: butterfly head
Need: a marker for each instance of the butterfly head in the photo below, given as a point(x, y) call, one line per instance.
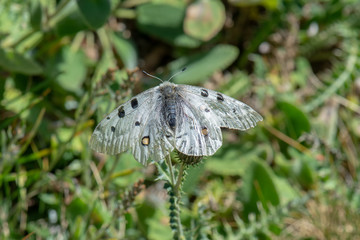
point(168, 89)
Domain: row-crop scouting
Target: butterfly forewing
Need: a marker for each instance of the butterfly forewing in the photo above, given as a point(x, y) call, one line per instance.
point(133, 125)
point(225, 111)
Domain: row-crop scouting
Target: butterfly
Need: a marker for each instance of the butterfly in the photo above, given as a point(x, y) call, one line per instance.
point(171, 116)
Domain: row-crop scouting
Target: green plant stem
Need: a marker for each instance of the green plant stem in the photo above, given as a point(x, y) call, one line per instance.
point(180, 178)
point(172, 175)
point(177, 191)
point(176, 188)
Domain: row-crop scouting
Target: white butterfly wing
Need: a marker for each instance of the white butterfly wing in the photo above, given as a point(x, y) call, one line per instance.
point(203, 108)
point(226, 111)
point(195, 133)
point(135, 125)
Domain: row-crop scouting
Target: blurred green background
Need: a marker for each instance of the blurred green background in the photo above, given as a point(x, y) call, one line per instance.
point(65, 64)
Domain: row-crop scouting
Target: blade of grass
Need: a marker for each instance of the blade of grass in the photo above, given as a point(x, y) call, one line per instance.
point(295, 144)
point(32, 133)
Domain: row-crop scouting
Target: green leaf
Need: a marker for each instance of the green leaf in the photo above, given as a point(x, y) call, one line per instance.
point(192, 178)
point(126, 50)
point(15, 62)
point(14, 17)
point(295, 120)
point(49, 198)
point(145, 213)
point(165, 22)
point(271, 4)
point(204, 19)
point(78, 207)
point(227, 167)
point(202, 65)
point(35, 14)
point(72, 70)
point(95, 12)
point(71, 21)
point(230, 161)
point(258, 186)
point(286, 191)
point(157, 229)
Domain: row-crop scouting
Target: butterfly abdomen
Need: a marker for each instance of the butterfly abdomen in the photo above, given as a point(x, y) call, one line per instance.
point(169, 110)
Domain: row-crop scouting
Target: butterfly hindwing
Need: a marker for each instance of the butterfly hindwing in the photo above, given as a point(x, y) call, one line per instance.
point(133, 125)
point(195, 133)
point(155, 138)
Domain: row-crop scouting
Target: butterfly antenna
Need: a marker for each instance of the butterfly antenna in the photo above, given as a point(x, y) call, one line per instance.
point(182, 70)
point(153, 76)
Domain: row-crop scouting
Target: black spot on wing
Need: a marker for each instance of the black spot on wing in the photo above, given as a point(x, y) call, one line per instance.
point(137, 123)
point(112, 128)
point(220, 97)
point(108, 118)
point(204, 93)
point(134, 103)
point(121, 112)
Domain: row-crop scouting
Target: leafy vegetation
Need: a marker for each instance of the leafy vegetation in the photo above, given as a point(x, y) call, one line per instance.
point(65, 64)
